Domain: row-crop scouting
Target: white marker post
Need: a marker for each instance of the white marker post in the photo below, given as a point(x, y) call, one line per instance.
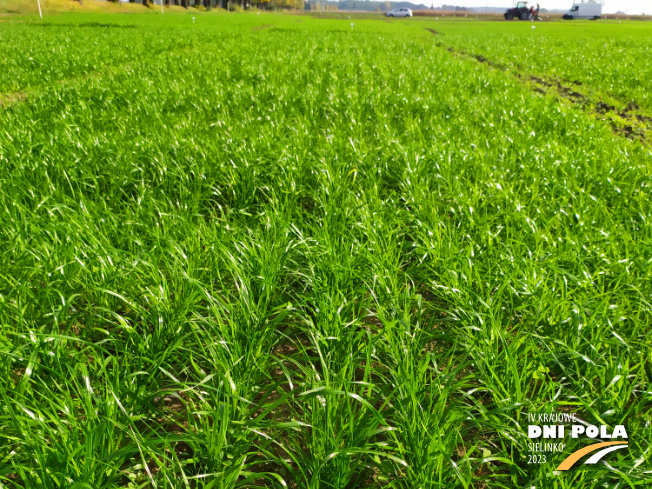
point(161, 6)
point(39, 9)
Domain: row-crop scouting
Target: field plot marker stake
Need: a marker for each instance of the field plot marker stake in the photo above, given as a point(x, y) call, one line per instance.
point(39, 9)
point(161, 6)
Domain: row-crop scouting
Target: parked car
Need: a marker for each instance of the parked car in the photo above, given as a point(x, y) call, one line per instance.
point(399, 12)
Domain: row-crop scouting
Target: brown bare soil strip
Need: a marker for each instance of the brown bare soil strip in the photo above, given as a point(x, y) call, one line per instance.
point(627, 122)
point(7, 99)
point(260, 27)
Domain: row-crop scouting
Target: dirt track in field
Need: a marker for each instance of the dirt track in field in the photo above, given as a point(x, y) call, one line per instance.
point(629, 121)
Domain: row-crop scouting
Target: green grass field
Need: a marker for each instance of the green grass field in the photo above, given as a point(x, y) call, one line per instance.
point(284, 251)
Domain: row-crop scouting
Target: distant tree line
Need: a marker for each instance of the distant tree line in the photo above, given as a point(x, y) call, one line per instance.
point(367, 5)
point(453, 8)
point(226, 4)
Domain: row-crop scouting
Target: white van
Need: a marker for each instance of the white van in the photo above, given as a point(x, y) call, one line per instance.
point(591, 10)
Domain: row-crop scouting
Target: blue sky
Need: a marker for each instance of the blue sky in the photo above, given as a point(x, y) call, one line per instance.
point(610, 6)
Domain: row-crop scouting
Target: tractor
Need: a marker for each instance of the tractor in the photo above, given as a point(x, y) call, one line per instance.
point(521, 11)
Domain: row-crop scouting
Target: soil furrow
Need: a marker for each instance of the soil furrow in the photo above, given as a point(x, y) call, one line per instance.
point(628, 121)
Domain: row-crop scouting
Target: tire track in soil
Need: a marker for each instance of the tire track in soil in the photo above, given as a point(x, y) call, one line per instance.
point(7, 99)
point(628, 122)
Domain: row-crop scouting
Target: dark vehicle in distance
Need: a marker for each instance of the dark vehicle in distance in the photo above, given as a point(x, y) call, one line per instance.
point(521, 11)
